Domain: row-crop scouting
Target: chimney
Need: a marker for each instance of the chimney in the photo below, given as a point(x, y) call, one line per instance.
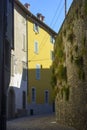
point(40, 17)
point(43, 18)
point(27, 6)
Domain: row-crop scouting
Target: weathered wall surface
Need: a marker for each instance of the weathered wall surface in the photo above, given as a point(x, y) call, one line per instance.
point(17, 91)
point(70, 68)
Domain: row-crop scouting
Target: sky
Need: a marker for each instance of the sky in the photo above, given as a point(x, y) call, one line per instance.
point(53, 10)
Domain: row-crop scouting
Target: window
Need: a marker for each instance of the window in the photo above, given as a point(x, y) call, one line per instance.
point(24, 99)
point(52, 40)
point(46, 96)
point(24, 43)
point(33, 95)
point(36, 49)
point(36, 28)
point(38, 71)
point(52, 55)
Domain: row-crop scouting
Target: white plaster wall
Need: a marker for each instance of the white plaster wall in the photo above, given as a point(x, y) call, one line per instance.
point(20, 56)
point(18, 94)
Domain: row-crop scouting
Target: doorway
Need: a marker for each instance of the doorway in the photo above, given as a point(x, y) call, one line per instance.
point(11, 104)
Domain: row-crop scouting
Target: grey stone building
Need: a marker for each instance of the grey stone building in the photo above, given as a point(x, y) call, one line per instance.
point(70, 68)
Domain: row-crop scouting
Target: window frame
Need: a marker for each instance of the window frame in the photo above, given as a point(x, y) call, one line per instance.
point(46, 96)
point(33, 94)
point(38, 71)
point(36, 28)
point(24, 99)
point(36, 47)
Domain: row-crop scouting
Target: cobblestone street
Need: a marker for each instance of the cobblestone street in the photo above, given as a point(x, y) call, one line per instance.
point(46, 122)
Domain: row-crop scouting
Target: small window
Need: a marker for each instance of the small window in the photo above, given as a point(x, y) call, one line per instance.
point(24, 100)
point(52, 40)
point(36, 48)
point(36, 28)
point(33, 94)
point(46, 96)
point(38, 72)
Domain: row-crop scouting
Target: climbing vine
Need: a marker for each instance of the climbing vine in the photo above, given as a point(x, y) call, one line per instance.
point(86, 7)
point(69, 37)
point(60, 70)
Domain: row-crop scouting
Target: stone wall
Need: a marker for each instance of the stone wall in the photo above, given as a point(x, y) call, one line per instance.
point(70, 68)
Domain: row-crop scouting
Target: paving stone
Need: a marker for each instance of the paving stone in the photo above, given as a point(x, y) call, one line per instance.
point(44, 122)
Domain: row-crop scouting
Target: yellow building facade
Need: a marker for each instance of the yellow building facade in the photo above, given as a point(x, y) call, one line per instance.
point(41, 40)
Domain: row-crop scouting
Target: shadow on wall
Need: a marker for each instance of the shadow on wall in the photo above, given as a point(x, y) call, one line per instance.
point(17, 95)
point(40, 92)
point(11, 103)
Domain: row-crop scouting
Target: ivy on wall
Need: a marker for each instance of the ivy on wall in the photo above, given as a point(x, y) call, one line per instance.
point(79, 63)
point(60, 70)
point(86, 7)
point(71, 37)
point(76, 53)
point(65, 91)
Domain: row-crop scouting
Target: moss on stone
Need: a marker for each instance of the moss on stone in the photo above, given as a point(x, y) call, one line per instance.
point(86, 7)
point(62, 72)
point(71, 37)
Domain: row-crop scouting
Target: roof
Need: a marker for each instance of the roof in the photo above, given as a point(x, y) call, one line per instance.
point(33, 18)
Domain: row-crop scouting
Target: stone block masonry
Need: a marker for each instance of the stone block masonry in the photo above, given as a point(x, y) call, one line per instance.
point(71, 53)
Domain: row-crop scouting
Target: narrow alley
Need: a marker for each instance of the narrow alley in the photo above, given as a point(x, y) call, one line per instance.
point(44, 122)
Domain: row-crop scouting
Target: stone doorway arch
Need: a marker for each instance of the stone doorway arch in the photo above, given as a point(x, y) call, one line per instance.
point(11, 104)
